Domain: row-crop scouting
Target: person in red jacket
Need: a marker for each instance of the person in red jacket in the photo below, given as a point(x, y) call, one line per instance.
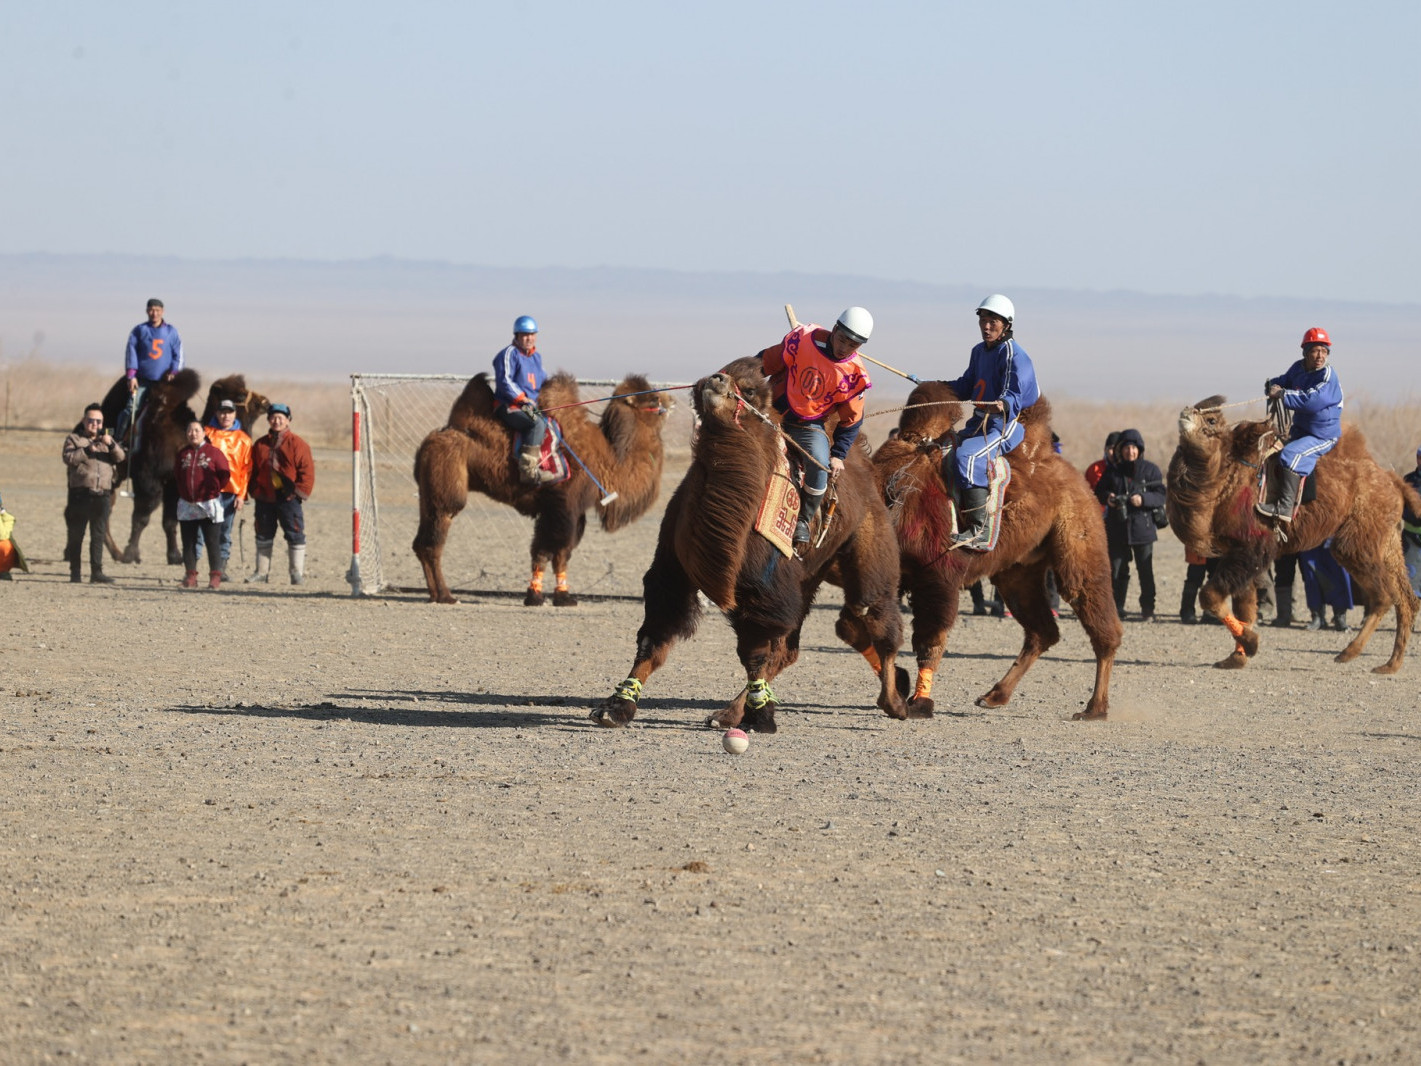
point(200, 471)
point(283, 475)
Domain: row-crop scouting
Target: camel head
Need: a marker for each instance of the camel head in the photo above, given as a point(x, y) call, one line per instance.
point(636, 394)
point(718, 398)
point(1203, 426)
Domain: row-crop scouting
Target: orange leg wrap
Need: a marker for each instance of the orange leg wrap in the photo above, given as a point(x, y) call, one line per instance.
point(562, 581)
point(1234, 625)
point(924, 689)
point(536, 581)
point(873, 659)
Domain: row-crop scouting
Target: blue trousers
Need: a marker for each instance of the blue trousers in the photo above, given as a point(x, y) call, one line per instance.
point(531, 429)
point(1300, 454)
point(974, 454)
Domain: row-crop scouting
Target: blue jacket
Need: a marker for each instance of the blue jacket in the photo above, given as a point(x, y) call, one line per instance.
point(516, 374)
point(1002, 373)
point(1314, 398)
point(152, 353)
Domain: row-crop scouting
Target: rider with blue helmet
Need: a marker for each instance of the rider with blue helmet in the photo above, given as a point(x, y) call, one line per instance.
point(518, 378)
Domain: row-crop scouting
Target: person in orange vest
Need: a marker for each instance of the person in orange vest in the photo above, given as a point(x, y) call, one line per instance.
point(815, 372)
point(232, 439)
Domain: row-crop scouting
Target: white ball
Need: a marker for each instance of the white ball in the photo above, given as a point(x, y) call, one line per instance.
point(735, 741)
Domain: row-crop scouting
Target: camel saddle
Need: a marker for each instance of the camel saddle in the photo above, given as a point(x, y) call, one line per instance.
point(1268, 481)
point(779, 508)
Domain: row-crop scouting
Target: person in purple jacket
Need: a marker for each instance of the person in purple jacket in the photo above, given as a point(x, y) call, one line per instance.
point(1312, 391)
point(154, 353)
point(518, 378)
point(1000, 383)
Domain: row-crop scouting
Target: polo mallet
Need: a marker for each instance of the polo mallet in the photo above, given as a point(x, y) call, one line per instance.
point(794, 324)
point(607, 497)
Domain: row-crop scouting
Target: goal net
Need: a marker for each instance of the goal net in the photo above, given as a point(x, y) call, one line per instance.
point(487, 549)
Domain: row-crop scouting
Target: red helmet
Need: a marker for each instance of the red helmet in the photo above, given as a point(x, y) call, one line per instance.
point(1317, 335)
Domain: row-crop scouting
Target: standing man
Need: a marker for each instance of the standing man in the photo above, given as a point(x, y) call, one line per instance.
point(1313, 393)
point(90, 453)
point(518, 378)
point(1130, 490)
point(154, 353)
point(815, 371)
point(229, 436)
point(1000, 383)
point(283, 475)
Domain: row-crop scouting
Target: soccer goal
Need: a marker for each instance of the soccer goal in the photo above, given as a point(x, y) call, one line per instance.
point(487, 550)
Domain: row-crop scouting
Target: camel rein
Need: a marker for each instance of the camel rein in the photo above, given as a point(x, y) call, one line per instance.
point(621, 396)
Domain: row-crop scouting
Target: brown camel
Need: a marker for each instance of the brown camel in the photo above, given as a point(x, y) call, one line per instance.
point(164, 421)
point(1213, 484)
point(1050, 520)
point(708, 544)
point(475, 452)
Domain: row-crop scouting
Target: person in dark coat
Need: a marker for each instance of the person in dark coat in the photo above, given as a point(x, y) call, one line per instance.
point(1130, 490)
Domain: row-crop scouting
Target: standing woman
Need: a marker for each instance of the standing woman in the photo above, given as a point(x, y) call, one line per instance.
point(201, 470)
point(1131, 490)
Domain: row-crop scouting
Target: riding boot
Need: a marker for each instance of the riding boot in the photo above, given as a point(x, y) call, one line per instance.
point(971, 520)
point(1339, 621)
point(1288, 484)
point(528, 469)
point(1316, 621)
point(1284, 595)
point(263, 571)
point(296, 556)
point(74, 575)
point(96, 564)
point(808, 508)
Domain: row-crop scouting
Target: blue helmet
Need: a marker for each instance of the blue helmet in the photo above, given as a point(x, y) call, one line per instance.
point(525, 324)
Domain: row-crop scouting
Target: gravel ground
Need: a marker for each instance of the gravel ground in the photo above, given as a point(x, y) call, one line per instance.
point(275, 824)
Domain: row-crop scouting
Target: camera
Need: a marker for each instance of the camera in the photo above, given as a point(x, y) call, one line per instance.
point(1121, 507)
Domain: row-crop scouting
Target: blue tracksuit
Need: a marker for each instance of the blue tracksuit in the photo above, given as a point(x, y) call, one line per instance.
point(1001, 373)
point(153, 353)
point(518, 379)
point(1315, 398)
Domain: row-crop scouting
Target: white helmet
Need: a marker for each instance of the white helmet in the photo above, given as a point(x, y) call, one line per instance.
point(857, 323)
point(1000, 306)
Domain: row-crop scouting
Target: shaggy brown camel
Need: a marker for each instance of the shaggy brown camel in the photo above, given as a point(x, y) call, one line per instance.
point(475, 452)
point(1213, 483)
point(708, 544)
point(1050, 520)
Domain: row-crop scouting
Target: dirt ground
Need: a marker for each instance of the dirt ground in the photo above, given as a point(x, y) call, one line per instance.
point(275, 824)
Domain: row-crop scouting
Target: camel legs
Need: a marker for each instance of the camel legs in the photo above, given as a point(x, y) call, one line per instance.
point(429, 550)
point(1383, 583)
point(1084, 583)
point(873, 627)
point(1234, 577)
point(556, 532)
point(671, 612)
point(934, 603)
point(1024, 589)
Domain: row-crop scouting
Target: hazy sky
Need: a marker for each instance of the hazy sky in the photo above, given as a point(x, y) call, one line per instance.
point(1247, 149)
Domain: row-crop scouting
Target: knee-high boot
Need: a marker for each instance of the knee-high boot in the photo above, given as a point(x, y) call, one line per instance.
point(263, 572)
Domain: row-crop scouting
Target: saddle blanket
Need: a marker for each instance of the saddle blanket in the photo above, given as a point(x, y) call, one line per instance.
point(779, 510)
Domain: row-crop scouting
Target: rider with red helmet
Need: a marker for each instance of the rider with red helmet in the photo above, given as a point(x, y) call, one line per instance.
point(1312, 391)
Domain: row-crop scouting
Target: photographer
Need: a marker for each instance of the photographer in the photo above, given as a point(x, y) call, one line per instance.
point(91, 454)
point(1131, 490)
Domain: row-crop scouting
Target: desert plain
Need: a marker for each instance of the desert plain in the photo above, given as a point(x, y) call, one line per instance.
point(276, 824)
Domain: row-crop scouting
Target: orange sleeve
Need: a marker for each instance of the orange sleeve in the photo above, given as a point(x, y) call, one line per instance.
point(772, 360)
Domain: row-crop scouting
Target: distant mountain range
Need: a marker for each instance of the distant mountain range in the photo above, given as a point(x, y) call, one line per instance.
point(317, 320)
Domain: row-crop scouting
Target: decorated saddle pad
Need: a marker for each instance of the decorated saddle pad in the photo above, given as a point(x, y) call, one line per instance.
point(550, 455)
point(779, 510)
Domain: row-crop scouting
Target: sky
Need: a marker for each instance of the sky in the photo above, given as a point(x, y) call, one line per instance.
point(1248, 150)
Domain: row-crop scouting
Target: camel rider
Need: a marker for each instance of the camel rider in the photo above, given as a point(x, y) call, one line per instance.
point(154, 353)
point(1000, 383)
point(815, 372)
point(518, 378)
point(1312, 391)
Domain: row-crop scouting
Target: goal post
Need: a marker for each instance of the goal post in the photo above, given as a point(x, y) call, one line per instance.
point(487, 549)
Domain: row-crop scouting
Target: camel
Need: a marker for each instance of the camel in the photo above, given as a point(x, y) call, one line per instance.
point(164, 421)
point(708, 544)
point(474, 452)
point(1050, 520)
point(1212, 487)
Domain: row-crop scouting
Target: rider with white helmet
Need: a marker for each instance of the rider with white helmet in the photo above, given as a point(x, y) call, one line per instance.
point(518, 378)
point(815, 372)
point(1001, 382)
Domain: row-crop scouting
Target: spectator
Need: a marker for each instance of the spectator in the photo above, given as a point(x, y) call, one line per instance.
point(1096, 470)
point(1411, 531)
point(1326, 584)
point(1285, 569)
point(200, 471)
point(91, 454)
point(230, 437)
point(283, 475)
point(1131, 489)
point(11, 558)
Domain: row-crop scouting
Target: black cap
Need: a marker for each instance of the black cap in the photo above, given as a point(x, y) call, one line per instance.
point(155, 302)
point(226, 405)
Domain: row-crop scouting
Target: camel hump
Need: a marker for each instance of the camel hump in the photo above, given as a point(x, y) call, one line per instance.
point(474, 404)
point(559, 389)
point(184, 385)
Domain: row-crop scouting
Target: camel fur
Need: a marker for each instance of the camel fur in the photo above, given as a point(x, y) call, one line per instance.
point(1050, 520)
point(474, 452)
point(1212, 488)
point(708, 544)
